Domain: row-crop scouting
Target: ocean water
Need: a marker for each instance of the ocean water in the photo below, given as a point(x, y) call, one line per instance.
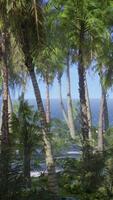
point(95, 107)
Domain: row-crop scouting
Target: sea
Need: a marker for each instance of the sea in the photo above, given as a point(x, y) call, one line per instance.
point(56, 111)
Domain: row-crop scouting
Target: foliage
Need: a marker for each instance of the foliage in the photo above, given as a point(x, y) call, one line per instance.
point(47, 33)
point(90, 181)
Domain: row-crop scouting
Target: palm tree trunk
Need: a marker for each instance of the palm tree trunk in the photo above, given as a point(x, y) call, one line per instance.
point(27, 160)
point(36, 17)
point(10, 110)
point(105, 106)
point(88, 110)
point(69, 103)
point(83, 104)
point(52, 180)
point(5, 128)
point(61, 102)
point(5, 125)
point(48, 113)
point(103, 117)
point(100, 128)
point(106, 116)
point(1, 119)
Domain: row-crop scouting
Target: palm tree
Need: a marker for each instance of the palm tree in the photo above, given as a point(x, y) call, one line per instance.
point(45, 68)
point(48, 110)
point(5, 42)
point(61, 99)
point(24, 22)
point(61, 56)
point(25, 126)
point(69, 101)
point(103, 116)
point(100, 129)
point(5, 118)
point(88, 110)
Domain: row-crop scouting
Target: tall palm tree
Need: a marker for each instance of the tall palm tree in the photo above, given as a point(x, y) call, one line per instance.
point(88, 110)
point(103, 116)
point(100, 128)
point(5, 42)
point(69, 101)
point(4, 38)
point(24, 22)
point(48, 109)
point(61, 99)
point(61, 47)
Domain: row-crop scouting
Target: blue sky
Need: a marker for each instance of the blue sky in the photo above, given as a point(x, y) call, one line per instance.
point(93, 86)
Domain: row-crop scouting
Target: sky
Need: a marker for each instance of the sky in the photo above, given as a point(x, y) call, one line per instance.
point(92, 80)
point(93, 86)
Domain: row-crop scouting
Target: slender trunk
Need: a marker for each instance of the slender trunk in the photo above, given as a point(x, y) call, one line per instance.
point(5, 126)
point(36, 17)
point(100, 128)
point(10, 110)
point(105, 107)
point(103, 116)
point(48, 115)
point(27, 159)
point(10, 105)
point(52, 180)
point(61, 102)
point(83, 104)
point(88, 110)
point(103, 119)
point(1, 111)
point(69, 103)
point(106, 116)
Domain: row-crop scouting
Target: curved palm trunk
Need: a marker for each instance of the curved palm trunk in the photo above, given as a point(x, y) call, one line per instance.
point(69, 103)
point(48, 113)
point(88, 110)
point(83, 104)
point(52, 180)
